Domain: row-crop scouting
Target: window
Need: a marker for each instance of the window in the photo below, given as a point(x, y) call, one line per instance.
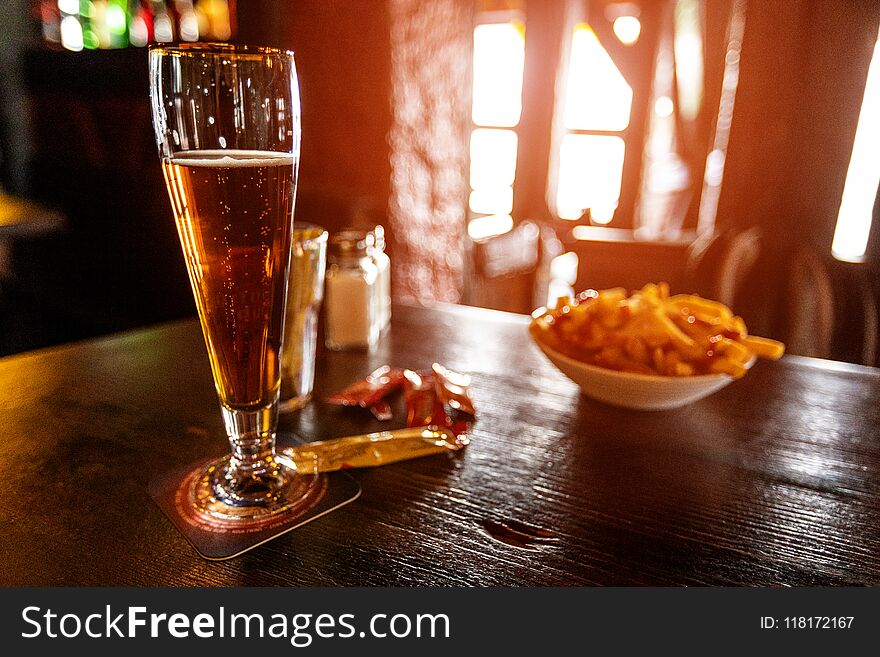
point(601, 120)
point(863, 176)
point(597, 106)
point(499, 54)
point(628, 120)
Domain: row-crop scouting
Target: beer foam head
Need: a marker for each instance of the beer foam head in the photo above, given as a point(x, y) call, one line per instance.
point(232, 158)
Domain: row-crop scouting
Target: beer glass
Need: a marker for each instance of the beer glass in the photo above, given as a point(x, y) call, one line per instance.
point(227, 124)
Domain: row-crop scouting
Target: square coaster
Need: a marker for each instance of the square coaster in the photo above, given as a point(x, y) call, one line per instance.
point(217, 541)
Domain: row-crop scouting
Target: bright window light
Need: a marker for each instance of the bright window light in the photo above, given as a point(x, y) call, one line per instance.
point(688, 47)
point(663, 106)
point(565, 267)
point(590, 172)
point(863, 175)
point(597, 95)
point(627, 29)
point(491, 200)
point(602, 213)
point(600, 233)
point(493, 158)
point(563, 276)
point(494, 225)
point(499, 53)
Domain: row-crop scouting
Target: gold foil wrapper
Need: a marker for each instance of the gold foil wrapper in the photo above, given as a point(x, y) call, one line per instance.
point(374, 449)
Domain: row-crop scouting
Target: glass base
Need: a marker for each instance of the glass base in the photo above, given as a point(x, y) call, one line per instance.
point(279, 489)
point(293, 403)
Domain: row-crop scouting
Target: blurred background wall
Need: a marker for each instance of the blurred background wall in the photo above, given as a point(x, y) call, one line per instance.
point(709, 148)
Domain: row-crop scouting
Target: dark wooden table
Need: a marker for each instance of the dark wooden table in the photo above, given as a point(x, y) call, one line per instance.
point(775, 480)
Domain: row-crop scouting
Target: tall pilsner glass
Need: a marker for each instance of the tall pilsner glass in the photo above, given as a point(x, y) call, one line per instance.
point(227, 123)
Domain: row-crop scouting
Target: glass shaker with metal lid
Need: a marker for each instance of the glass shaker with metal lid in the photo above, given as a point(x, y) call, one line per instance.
point(351, 309)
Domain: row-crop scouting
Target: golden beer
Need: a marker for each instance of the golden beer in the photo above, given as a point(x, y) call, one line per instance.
point(234, 214)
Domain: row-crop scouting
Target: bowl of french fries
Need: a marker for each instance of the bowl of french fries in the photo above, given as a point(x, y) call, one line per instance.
point(648, 350)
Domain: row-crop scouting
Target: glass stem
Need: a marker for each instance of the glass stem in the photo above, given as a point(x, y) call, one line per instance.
point(252, 438)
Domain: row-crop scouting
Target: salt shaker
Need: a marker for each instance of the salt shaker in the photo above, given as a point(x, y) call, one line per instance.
point(383, 283)
point(351, 311)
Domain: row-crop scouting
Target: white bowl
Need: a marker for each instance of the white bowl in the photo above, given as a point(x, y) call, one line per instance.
point(645, 392)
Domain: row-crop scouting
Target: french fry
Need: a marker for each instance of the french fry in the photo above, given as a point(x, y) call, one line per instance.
point(637, 350)
point(651, 332)
point(764, 347)
point(724, 365)
point(735, 350)
point(698, 304)
point(658, 359)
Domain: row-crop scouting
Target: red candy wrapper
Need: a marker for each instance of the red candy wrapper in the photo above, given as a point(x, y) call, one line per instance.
point(381, 410)
point(371, 391)
point(452, 389)
point(423, 407)
point(438, 397)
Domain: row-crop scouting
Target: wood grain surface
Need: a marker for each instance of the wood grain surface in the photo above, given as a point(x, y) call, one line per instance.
point(775, 480)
